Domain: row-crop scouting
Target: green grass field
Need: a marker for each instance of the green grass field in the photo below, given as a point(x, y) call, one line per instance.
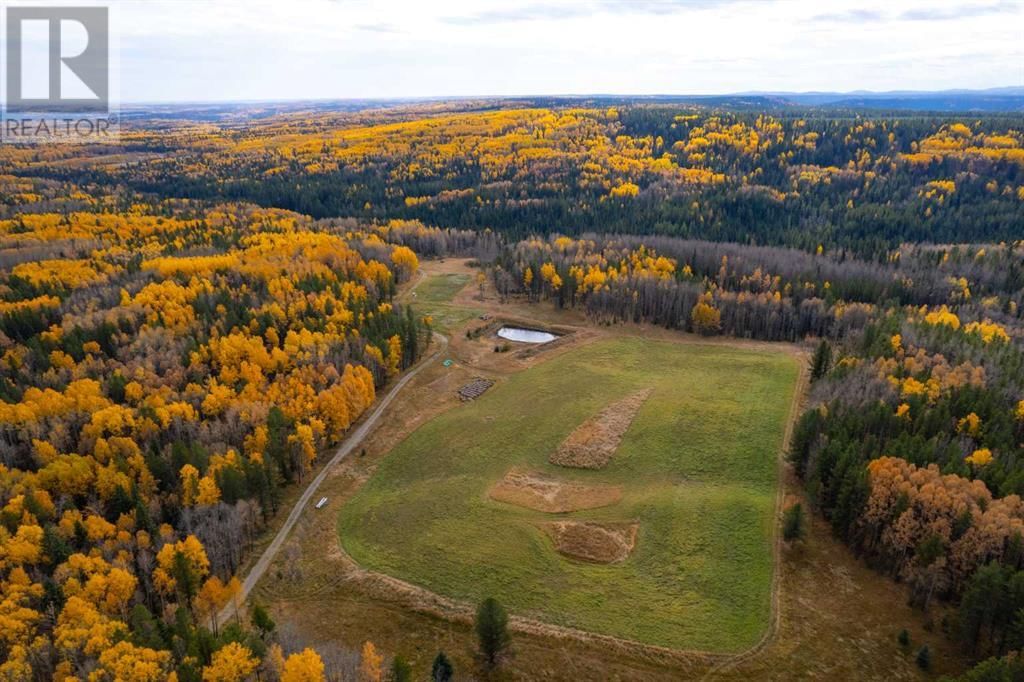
point(434, 296)
point(698, 471)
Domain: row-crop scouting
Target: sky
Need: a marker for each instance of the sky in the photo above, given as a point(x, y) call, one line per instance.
point(212, 50)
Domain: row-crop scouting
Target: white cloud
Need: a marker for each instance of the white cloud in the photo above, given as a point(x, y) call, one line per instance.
point(289, 49)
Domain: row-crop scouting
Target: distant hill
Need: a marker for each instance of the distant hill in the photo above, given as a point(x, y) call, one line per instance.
point(1008, 99)
point(994, 99)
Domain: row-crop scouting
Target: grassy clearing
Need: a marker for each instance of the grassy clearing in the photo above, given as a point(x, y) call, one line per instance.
point(697, 469)
point(434, 297)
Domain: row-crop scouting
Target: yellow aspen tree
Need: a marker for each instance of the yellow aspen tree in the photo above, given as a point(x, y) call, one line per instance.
point(303, 439)
point(394, 355)
point(305, 666)
point(233, 592)
point(125, 661)
point(275, 661)
point(189, 485)
point(44, 451)
point(194, 561)
point(113, 591)
point(210, 600)
point(980, 457)
point(26, 547)
point(370, 662)
point(971, 425)
point(231, 663)
point(404, 258)
point(705, 317)
point(17, 666)
point(209, 493)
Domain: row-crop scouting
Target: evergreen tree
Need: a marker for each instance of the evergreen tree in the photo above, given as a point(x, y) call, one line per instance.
point(442, 670)
point(142, 518)
point(54, 546)
point(996, 670)
point(822, 360)
point(145, 630)
point(924, 658)
point(261, 620)
point(982, 601)
point(115, 387)
point(401, 671)
point(185, 578)
point(492, 630)
point(793, 523)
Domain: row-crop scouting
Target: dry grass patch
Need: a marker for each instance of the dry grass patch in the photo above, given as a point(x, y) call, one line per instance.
point(600, 543)
point(592, 444)
point(537, 492)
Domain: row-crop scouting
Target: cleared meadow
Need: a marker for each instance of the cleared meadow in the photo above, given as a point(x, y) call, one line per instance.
point(697, 470)
point(434, 298)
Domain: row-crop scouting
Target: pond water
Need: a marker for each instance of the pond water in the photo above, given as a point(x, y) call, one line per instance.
point(525, 335)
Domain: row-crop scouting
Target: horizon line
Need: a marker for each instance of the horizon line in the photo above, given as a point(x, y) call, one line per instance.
point(1004, 90)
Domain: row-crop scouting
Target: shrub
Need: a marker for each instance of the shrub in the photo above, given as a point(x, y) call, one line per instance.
point(793, 523)
point(904, 638)
point(924, 658)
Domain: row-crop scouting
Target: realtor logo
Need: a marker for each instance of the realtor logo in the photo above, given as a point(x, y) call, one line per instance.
point(58, 74)
point(76, 72)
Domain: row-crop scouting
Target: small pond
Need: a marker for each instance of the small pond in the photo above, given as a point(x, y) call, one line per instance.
point(525, 335)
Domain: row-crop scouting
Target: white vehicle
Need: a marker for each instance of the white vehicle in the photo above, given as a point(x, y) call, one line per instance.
point(321, 503)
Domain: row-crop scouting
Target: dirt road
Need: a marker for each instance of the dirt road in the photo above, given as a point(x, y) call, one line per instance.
point(351, 442)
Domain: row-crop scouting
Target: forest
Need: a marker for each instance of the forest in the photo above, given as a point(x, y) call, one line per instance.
point(167, 371)
point(191, 318)
point(912, 445)
point(794, 177)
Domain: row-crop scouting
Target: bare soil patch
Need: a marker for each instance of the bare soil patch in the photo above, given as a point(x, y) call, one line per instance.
point(537, 492)
point(592, 444)
point(601, 543)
